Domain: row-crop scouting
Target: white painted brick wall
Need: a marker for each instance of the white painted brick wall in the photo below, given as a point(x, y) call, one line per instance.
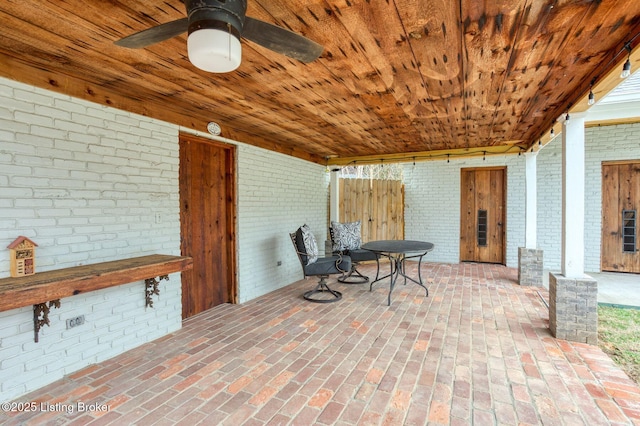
point(84, 182)
point(549, 199)
point(432, 204)
point(607, 143)
point(432, 195)
point(277, 194)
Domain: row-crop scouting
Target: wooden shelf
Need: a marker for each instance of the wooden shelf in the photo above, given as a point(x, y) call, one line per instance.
point(44, 287)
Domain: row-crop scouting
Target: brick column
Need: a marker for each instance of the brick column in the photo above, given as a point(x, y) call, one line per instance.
point(530, 266)
point(573, 296)
point(573, 308)
point(529, 258)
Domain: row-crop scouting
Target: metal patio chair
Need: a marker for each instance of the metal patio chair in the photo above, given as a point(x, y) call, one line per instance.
point(322, 267)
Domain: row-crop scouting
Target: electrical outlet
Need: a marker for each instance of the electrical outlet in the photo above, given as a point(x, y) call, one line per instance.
point(75, 321)
point(158, 218)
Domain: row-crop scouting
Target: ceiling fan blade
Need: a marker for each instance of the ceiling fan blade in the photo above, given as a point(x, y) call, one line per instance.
point(281, 40)
point(155, 34)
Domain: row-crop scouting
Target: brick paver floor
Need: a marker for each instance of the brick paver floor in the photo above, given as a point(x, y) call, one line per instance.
point(476, 351)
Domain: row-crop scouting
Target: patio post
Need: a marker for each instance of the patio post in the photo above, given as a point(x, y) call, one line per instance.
point(573, 296)
point(334, 196)
point(530, 263)
point(334, 204)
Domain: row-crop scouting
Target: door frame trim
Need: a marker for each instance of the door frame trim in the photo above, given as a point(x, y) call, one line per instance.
point(231, 204)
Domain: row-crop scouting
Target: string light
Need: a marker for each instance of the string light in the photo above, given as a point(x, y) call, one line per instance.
point(626, 68)
point(552, 132)
point(566, 119)
point(592, 97)
point(409, 159)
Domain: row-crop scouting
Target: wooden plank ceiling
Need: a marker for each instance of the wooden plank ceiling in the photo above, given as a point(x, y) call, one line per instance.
point(398, 78)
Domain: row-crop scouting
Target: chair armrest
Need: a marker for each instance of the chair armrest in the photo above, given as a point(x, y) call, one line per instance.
point(329, 265)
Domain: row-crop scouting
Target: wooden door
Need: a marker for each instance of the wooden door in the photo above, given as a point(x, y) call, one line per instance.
point(482, 215)
point(207, 222)
point(377, 203)
point(620, 208)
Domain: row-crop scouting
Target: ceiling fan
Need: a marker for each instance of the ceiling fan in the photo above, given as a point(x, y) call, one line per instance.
point(214, 29)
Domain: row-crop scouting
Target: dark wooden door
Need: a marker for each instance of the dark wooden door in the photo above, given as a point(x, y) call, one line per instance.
point(207, 221)
point(620, 208)
point(482, 215)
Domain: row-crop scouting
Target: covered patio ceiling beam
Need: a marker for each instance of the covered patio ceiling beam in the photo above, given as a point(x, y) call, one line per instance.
point(510, 148)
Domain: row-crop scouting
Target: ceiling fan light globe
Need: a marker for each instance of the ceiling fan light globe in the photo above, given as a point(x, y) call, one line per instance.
point(214, 50)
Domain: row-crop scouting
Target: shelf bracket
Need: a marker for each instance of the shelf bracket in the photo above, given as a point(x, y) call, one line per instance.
point(151, 288)
point(41, 315)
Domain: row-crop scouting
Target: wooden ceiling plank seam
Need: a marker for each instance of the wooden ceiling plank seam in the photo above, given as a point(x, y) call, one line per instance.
point(487, 30)
point(272, 8)
point(579, 87)
point(350, 90)
point(41, 78)
point(449, 130)
point(465, 70)
point(397, 70)
point(611, 62)
point(345, 105)
point(319, 109)
point(150, 95)
point(62, 8)
point(508, 68)
point(529, 110)
point(174, 105)
point(374, 46)
point(541, 64)
point(528, 62)
point(429, 95)
point(297, 113)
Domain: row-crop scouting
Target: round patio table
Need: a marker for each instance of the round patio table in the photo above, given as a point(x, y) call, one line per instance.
point(398, 251)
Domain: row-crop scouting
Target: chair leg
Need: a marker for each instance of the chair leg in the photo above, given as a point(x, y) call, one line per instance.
point(353, 276)
point(322, 288)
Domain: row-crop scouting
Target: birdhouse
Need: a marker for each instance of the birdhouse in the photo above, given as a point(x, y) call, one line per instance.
point(23, 257)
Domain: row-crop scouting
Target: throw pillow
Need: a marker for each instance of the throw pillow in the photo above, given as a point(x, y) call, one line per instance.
point(310, 244)
point(346, 236)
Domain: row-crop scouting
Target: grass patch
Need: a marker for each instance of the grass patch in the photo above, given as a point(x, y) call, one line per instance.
point(619, 336)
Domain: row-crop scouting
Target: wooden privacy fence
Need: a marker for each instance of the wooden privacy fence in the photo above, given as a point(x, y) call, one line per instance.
point(379, 204)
